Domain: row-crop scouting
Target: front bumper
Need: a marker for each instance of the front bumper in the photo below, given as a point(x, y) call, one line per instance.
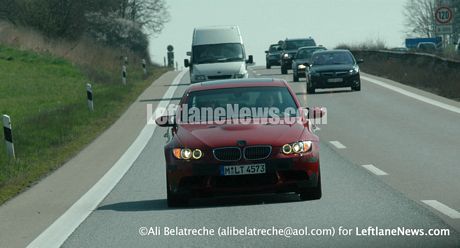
point(283, 174)
point(300, 73)
point(273, 60)
point(323, 82)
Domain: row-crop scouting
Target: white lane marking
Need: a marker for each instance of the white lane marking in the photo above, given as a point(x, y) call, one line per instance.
point(337, 144)
point(58, 232)
point(452, 213)
point(413, 95)
point(375, 170)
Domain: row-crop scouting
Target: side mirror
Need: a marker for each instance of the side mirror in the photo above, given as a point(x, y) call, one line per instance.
point(250, 60)
point(189, 53)
point(186, 63)
point(166, 121)
point(360, 61)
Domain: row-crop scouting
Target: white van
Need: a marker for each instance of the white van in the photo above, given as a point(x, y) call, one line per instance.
point(217, 53)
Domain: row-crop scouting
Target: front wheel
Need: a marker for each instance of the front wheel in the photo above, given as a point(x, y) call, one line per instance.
point(268, 65)
point(175, 200)
point(357, 87)
point(295, 77)
point(314, 193)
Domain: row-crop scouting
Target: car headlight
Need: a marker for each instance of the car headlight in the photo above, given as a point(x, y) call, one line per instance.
point(297, 147)
point(302, 67)
point(286, 56)
point(354, 71)
point(200, 77)
point(187, 153)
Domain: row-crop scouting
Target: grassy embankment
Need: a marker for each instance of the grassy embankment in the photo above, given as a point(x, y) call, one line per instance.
point(46, 99)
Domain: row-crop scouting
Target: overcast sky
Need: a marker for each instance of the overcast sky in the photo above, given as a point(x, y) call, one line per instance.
point(263, 22)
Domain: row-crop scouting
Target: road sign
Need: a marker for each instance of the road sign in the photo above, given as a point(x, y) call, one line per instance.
point(444, 29)
point(443, 15)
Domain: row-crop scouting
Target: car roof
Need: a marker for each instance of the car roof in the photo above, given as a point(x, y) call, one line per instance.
point(238, 83)
point(309, 38)
point(311, 47)
point(332, 51)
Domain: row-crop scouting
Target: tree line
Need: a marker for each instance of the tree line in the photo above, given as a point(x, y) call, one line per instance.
point(121, 23)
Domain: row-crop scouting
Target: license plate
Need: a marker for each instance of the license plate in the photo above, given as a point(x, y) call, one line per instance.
point(335, 80)
point(246, 169)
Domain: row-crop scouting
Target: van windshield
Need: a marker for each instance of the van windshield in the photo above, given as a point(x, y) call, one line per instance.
point(216, 53)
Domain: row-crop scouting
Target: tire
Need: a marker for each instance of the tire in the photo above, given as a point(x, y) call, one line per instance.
point(283, 70)
point(314, 193)
point(268, 65)
point(357, 87)
point(174, 200)
point(295, 77)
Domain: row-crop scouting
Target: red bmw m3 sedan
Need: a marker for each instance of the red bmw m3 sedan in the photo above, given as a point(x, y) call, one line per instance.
point(241, 136)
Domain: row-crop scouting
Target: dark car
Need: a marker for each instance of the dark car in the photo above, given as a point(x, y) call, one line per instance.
point(302, 61)
point(333, 69)
point(223, 155)
point(272, 56)
point(289, 48)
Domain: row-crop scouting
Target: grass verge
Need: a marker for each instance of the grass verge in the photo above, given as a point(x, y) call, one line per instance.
point(46, 99)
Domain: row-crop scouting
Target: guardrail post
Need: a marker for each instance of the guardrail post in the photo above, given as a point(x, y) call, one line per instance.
point(89, 94)
point(123, 74)
point(8, 133)
point(144, 66)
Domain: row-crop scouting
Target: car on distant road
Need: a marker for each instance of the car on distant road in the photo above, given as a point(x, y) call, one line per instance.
point(272, 56)
point(426, 47)
point(289, 48)
point(333, 69)
point(221, 155)
point(302, 60)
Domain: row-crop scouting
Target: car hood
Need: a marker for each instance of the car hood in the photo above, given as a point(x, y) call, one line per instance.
point(223, 68)
point(321, 68)
point(291, 52)
point(202, 135)
point(301, 61)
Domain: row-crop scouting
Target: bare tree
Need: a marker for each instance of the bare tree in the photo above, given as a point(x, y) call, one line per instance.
point(419, 16)
point(150, 14)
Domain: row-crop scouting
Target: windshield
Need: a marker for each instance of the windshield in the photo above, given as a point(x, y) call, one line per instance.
point(332, 58)
point(295, 44)
point(260, 102)
point(216, 53)
point(274, 48)
point(307, 53)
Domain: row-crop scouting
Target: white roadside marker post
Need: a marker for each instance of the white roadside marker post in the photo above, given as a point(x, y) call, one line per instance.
point(89, 95)
point(8, 133)
point(124, 74)
point(144, 66)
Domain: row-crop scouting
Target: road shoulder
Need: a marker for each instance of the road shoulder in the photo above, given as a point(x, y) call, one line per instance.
point(28, 214)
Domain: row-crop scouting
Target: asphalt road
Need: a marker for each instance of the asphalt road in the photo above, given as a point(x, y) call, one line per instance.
point(413, 143)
